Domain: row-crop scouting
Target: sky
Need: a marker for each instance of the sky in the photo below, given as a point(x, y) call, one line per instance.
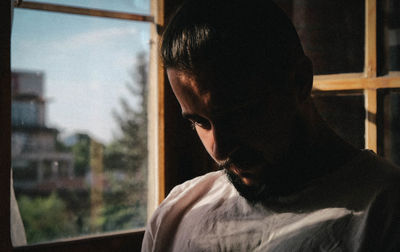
point(86, 61)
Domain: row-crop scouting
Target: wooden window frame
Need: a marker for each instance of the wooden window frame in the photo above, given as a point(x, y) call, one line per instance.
point(367, 81)
point(83, 11)
point(112, 241)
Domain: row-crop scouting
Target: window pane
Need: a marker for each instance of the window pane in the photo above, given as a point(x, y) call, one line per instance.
point(332, 33)
point(388, 36)
point(345, 113)
point(131, 6)
point(79, 123)
point(389, 127)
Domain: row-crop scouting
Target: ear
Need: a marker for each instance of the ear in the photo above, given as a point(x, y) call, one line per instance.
point(303, 78)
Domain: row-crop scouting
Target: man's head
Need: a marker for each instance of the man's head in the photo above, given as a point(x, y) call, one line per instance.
point(240, 75)
point(231, 40)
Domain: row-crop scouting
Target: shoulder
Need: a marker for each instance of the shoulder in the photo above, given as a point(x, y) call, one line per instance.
point(373, 170)
point(383, 171)
point(379, 161)
point(382, 220)
point(382, 217)
point(189, 187)
point(168, 215)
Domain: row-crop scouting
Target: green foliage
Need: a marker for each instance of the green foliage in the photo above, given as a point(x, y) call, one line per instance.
point(45, 218)
point(124, 202)
point(121, 216)
point(125, 159)
point(81, 153)
point(129, 150)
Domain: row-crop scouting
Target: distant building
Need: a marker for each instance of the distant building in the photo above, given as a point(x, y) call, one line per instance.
point(37, 160)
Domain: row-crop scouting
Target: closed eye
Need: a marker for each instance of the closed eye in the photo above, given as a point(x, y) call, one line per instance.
point(196, 120)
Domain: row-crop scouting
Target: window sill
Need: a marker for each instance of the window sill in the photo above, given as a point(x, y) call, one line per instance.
point(117, 241)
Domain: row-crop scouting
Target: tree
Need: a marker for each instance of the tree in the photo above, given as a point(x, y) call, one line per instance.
point(46, 218)
point(81, 154)
point(129, 151)
point(125, 158)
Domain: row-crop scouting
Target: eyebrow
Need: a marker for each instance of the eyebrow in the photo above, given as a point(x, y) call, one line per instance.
point(189, 116)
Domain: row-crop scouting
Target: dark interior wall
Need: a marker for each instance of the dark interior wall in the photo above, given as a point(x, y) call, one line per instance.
point(331, 32)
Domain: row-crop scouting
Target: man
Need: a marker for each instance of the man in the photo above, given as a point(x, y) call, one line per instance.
point(288, 182)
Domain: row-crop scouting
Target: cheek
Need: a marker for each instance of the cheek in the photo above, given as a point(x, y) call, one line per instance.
point(207, 139)
point(268, 131)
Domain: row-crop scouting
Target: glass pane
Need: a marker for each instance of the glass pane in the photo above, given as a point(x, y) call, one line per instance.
point(79, 123)
point(389, 127)
point(345, 113)
point(388, 36)
point(131, 6)
point(332, 33)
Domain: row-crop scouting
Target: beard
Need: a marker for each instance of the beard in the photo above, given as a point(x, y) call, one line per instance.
point(275, 182)
point(253, 194)
point(284, 172)
point(264, 192)
point(268, 190)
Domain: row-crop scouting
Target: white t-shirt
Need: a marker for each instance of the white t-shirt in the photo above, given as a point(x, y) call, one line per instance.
point(356, 208)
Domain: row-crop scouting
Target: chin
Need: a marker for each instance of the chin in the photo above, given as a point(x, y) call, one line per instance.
point(254, 192)
point(267, 187)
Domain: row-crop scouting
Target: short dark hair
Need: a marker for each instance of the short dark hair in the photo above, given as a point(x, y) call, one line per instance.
point(232, 39)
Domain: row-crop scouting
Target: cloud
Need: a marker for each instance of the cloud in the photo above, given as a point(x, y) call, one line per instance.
point(85, 39)
point(84, 106)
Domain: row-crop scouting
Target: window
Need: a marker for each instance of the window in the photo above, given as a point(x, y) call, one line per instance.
point(349, 125)
point(368, 81)
point(355, 51)
point(389, 124)
point(79, 112)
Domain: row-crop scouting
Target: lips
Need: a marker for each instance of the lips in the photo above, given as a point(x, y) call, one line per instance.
point(252, 173)
point(247, 160)
point(250, 176)
point(247, 164)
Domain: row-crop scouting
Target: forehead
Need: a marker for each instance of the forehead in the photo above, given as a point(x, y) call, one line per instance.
point(222, 90)
point(187, 82)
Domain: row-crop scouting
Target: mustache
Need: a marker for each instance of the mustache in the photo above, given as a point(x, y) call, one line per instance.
point(225, 164)
point(243, 158)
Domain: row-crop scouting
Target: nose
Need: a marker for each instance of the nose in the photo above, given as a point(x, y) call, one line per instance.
point(224, 142)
